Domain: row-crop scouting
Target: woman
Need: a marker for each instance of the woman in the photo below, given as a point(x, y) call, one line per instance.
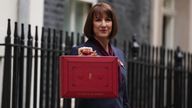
point(100, 28)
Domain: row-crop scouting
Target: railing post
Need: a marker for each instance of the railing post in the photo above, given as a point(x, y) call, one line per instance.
point(29, 68)
point(48, 72)
point(178, 78)
point(132, 73)
point(78, 36)
point(169, 95)
point(58, 77)
point(42, 72)
point(67, 44)
point(16, 70)
point(21, 62)
point(35, 69)
point(54, 71)
point(189, 79)
point(82, 38)
point(7, 69)
point(72, 41)
point(161, 76)
point(61, 43)
point(67, 101)
point(178, 58)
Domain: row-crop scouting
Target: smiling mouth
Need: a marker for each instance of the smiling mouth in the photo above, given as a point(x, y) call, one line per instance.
point(103, 30)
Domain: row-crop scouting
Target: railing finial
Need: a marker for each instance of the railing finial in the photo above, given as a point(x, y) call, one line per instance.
point(9, 27)
point(178, 57)
point(135, 46)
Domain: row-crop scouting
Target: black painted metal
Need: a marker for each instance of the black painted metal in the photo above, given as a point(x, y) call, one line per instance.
point(22, 65)
point(42, 71)
point(48, 71)
point(16, 51)
point(29, 68)
point(6, 93)
point(35, 69)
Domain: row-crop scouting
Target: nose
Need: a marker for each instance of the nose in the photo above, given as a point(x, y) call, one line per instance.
point(103, 23)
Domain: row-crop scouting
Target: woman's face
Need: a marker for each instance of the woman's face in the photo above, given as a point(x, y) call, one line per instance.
point(102, 26)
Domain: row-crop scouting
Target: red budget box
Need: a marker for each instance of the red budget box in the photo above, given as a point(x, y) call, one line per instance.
point(88, 77)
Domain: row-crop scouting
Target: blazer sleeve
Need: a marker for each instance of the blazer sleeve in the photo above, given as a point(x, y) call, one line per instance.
point(124, 72)
point(125, 95)
point(74, 51)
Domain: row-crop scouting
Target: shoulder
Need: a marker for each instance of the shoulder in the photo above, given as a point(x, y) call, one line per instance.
point(118, 50)
point(119, 53)
point(121, 56)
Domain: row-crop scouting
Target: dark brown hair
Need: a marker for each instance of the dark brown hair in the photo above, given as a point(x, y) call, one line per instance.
point(100, 8)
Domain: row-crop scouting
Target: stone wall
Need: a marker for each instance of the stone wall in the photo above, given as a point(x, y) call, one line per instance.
point(133, 17)
point(53, 13)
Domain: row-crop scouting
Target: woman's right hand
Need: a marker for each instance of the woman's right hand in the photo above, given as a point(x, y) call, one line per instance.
point(86, 51)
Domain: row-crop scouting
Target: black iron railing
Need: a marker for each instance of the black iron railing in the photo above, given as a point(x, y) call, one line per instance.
point(159, 77)
point(34, 61)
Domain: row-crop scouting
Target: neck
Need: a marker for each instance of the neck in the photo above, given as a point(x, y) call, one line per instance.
point(104, 43)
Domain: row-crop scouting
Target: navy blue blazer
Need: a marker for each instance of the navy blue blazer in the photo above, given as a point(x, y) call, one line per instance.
point(122, 100)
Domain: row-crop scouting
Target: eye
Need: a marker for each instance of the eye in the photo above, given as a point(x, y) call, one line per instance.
point(108, 19)
point(97, 19)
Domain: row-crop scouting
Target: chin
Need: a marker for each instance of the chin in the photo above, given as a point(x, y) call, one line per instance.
point(104, 35)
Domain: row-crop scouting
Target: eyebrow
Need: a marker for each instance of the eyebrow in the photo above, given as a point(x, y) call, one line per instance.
point(101, 15)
